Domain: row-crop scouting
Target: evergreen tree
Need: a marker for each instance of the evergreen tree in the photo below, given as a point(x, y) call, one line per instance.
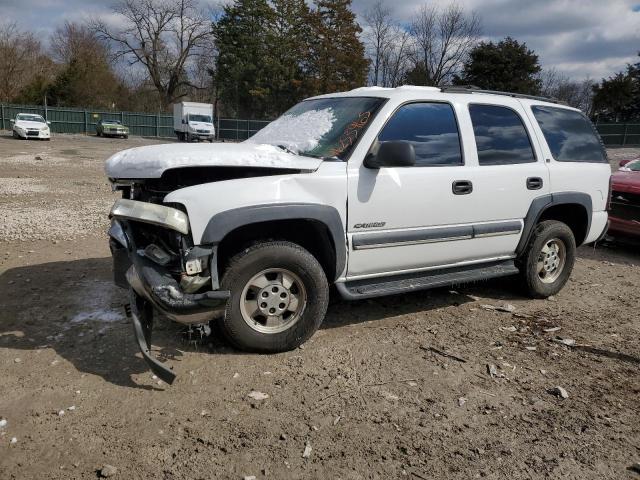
point(617, 98)
point(245, 60)
point(337, 60)
point(291, 44)
point(507, 65)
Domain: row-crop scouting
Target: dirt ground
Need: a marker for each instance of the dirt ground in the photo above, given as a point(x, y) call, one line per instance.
point(366, 393)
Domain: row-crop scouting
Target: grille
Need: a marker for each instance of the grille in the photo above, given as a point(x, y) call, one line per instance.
point(625, 206)
point(33, 133)
point(202, 131)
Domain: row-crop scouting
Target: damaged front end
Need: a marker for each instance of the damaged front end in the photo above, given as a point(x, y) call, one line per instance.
point(154, 257)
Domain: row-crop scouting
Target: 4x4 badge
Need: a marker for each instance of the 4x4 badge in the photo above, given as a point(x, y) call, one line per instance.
point(370, 225)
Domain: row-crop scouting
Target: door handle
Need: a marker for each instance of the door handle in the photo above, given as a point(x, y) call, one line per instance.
point(534, 183)
point(462, 187)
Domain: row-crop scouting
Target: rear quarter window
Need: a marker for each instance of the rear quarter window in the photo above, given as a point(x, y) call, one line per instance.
point(570, 135)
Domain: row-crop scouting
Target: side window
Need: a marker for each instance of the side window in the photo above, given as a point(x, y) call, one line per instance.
point(431, 128)
point(570, 135)
point(501, 137)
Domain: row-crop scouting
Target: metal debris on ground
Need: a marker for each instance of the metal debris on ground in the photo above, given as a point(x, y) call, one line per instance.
point(559, 392)
point(108, 471)
point(569, 342)
point(506, 307)
point(258, 395)
point(551, 329)
point(307, 451)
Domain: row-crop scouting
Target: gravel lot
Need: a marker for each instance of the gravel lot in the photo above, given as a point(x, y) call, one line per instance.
point(367, 397)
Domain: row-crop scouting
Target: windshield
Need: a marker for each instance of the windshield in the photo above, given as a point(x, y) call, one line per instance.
point(327, 127)
point(200, 118)
point(633, 165)
point(117, 122)
point(30, 118)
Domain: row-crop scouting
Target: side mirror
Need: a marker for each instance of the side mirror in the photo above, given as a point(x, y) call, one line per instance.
point(12, 121)
point(392, 154)
point(48, 122)
point(623, 162)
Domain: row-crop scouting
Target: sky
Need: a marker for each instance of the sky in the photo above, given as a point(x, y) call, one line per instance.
point(580, 38)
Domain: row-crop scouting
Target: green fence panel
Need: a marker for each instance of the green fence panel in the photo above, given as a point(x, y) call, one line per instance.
point(619, 134)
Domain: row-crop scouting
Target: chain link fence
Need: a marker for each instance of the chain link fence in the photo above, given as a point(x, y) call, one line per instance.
point(84, 121)
point(620, 134)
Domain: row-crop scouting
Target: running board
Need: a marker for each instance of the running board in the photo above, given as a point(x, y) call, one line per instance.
point(377, 287)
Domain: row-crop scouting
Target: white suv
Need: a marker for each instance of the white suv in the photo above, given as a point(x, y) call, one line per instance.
point(378, 191)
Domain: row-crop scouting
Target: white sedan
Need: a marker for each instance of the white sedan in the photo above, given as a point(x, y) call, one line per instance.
point(30, 125)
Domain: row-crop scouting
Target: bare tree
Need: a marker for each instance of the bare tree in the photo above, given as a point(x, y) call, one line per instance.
point(21, 60)
point(576, 93)
point(164, 36)
point(442, 40)
point(75, 40)
point(396, 58)
point(378, 36)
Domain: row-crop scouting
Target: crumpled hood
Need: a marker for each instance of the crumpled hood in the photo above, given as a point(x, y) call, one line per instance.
point(152, 161)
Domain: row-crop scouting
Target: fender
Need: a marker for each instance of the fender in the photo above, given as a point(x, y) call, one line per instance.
point(225, 222)
point(540, 204)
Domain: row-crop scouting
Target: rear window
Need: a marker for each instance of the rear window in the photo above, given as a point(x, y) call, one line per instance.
point(501, 138)
point(570, 135)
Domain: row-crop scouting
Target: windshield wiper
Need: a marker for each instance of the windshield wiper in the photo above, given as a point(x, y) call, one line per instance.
point(286, 149)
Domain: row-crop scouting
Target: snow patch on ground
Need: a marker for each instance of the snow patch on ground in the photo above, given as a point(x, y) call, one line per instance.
point(102, 315)
point(98, 304)
point(299, 133)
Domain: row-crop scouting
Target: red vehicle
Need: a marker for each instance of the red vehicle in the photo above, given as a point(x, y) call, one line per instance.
point(624, 213)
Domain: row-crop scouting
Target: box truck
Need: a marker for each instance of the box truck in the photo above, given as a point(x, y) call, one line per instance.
point(193, 121)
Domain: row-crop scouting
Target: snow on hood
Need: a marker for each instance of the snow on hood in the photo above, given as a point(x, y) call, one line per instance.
point(299, 133)
point(151, 161)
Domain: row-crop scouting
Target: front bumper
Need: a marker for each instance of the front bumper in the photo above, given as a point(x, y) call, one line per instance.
point(36, 134)
point(151, 284)
point(108, 132)
point(147, 278)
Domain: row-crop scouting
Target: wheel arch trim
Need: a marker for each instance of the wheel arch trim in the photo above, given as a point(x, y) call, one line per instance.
point(541, 204)
point(223, 223)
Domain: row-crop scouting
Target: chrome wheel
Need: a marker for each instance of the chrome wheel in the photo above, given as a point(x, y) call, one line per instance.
point(551, 260)
point(273, 300)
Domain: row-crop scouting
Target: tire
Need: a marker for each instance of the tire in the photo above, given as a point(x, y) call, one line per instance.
point(544, 272)
point(302, 279)
point(98, 134)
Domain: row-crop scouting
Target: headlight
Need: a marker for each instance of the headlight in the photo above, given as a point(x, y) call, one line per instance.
point(44, 129)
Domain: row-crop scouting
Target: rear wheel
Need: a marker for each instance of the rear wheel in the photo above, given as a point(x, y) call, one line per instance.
point(279, 297)
point(548, 261)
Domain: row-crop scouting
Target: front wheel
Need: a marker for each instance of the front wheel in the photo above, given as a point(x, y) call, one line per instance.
point(279, 297)
point(548, 261)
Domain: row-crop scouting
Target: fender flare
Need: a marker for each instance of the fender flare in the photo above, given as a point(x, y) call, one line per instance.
point(221, 224)
point(541, 204)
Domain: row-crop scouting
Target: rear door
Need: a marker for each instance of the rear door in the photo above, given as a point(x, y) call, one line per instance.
point(510, 170)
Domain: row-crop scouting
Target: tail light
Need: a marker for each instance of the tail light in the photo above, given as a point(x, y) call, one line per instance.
point(608, 207)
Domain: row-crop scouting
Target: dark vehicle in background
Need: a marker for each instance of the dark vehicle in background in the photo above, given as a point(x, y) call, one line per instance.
point(624, 214)
point(111, 128)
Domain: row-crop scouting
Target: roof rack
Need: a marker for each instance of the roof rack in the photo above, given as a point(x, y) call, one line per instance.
point(474, 89)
